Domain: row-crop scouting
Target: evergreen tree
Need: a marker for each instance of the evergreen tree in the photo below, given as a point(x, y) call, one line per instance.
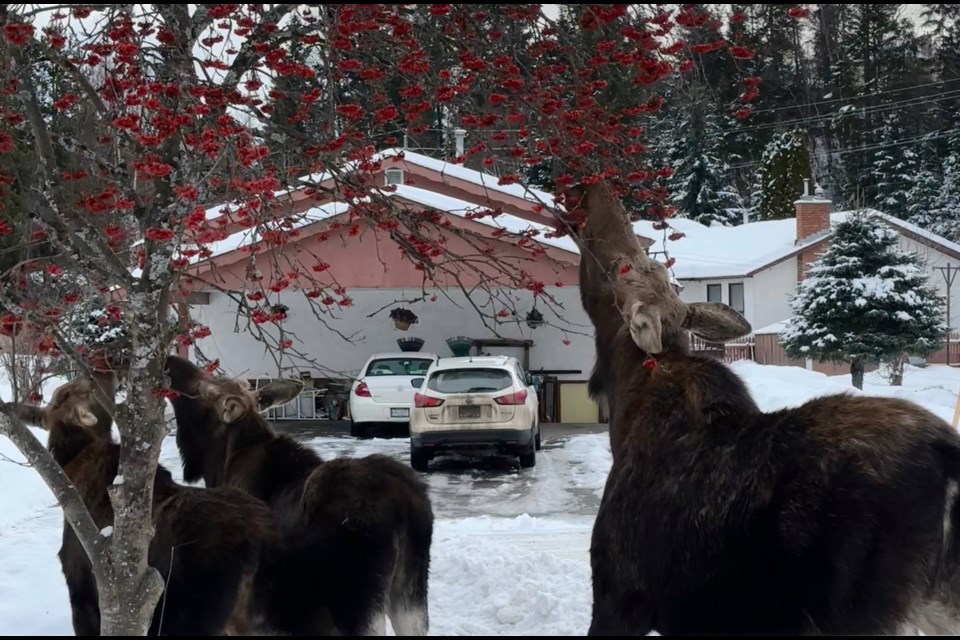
point(943, 215)
point(924, 190)
point(941, 22)
point(783, 168)
point(877, 66)
point(864, 300)
point(894, 167)
point(700, 187)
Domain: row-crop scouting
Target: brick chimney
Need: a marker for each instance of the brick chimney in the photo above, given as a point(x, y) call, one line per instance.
point(813, 221)
point(813, 213)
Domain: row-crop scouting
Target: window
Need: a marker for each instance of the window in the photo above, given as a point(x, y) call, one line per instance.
point(736, 296)
point(470, 380)
point(714, 293)
point(393, 176)
point(398, 367)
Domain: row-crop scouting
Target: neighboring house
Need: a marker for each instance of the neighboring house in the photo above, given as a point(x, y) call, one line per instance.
point(755, 267)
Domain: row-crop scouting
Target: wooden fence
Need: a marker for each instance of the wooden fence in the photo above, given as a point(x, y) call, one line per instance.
point(766, 349)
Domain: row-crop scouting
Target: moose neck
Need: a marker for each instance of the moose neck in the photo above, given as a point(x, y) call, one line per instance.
point(107, 383)
point(67, 440)
point(250, 430)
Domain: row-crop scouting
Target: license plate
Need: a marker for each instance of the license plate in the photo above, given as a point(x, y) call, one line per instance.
point(467, 411)
point(399, 413)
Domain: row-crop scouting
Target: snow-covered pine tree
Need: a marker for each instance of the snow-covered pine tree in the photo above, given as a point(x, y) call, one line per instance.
point(701, 187)
point(924, 191)
point(943, 213)
point(894, 167)
point(785, 164)
point(864, 300)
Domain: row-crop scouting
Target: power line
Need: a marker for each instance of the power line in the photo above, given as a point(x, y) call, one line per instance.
point(874, 147)
point(860, 97)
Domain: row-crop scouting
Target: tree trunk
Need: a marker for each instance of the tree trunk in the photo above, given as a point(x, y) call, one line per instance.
point(856, 372)
point(896, 371)
point(132, 589)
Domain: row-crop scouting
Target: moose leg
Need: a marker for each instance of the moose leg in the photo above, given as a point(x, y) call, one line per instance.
point(620, 615)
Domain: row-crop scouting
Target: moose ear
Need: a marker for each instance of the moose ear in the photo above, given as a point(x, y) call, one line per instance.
point(277, 393)
point(233, 409)
point(645, 327)
point(28, 413)
point(85, 417)
point(715, 322)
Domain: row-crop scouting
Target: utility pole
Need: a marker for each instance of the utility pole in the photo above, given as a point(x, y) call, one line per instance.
point(949, 274)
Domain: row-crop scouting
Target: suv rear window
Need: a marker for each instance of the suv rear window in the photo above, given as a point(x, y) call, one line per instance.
point(469, 380)
point(398, 367)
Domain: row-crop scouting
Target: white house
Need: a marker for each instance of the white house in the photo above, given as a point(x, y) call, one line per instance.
point(755, 267)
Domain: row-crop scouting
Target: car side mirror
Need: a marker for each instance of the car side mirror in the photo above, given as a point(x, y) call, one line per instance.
point(536, 380)
point(417, 383)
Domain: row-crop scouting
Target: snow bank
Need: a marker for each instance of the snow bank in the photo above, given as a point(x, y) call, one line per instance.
point(590, 461)
point(934, 387)
point(520, 576)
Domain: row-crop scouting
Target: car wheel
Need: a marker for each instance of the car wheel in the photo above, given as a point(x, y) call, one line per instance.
point(537, 440)
point(528, 459)
point(419, 459)
point(357, 430)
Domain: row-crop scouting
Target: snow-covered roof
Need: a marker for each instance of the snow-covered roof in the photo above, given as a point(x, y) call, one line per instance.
point(734, 252)
point(919, 231)
point(390, 158)
point(720, 252)
point(775, 329)
point(505, 221)
point(461, 172)
point(455, 206)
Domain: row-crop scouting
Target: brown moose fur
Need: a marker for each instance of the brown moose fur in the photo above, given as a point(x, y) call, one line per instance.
point(839, 516)
point(207, 542)
point(355, 534)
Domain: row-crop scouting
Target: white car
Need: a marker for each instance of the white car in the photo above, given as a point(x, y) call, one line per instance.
point(475, 404)
point(383, 391)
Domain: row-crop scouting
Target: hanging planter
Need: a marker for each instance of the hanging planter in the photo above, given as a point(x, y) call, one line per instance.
point(410, 344)
point(460, 345)
point(403, 318)
point(534, 319)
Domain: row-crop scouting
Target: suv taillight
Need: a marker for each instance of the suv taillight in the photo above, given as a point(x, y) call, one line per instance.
point(512, 398)
point(425, 402)
point(362, 391)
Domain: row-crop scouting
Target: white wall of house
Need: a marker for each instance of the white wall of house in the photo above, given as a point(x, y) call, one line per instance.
point(696, 291)
point(242, 355)
point(767, 293)
point(772, 289)
point(933, 259)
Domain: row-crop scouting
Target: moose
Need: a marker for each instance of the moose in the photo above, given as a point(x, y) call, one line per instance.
point(354, 534)
point(207, 542)
point(836, 517)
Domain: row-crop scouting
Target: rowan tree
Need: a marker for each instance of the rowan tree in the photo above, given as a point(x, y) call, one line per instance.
point(162, 116)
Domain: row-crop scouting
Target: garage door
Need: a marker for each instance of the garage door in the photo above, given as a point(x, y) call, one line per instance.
point(576, 405)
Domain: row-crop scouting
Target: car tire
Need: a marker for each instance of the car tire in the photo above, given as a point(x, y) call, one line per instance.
point(537, 440)
point(529, 458)
point(419, 459)
point(358, 430)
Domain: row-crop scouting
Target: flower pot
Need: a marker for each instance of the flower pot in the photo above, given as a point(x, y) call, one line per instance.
point(410, 344)
point(402, 325)
point(460, 346)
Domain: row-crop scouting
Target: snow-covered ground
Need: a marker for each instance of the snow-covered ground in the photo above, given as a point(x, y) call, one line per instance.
point(510, 553)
